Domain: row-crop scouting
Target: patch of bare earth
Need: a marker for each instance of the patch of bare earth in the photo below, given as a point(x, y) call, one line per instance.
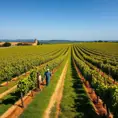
point(57, 95)
point(97, 102)
point(17, 109)
point(15, 86)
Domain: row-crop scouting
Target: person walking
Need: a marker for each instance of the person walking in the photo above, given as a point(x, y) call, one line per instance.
point(39, 79)
point(47, 75)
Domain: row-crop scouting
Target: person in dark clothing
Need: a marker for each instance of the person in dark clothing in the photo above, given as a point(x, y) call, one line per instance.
point(47, 75)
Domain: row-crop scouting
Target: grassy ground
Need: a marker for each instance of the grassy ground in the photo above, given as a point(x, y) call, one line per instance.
point(10, 85)
point(13, 83)
point(53, 111)
point(40, 102)
point(75, 102)
point(8, 101)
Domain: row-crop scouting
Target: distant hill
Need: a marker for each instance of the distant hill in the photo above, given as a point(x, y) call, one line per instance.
point(53, 41)
point(17, 40)
point(32, 40)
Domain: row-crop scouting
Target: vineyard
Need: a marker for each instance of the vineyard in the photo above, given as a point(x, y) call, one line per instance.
point(84, 81)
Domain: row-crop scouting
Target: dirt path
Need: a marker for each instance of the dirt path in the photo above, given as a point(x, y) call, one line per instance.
point(24, 74)
point(16, 110)
point(59, 98)
point(57, 95)
point(14, 79)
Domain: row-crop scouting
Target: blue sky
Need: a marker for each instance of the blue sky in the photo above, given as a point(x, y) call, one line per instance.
point(59, 19)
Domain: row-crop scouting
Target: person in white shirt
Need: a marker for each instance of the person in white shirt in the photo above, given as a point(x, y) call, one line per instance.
point(39, 77)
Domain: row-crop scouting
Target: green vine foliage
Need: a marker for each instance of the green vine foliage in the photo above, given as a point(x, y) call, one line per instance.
point(108, 92)
point(106, 67)
point(32, 79)
point(30, 83)
point(18, 63)
point(23, 85)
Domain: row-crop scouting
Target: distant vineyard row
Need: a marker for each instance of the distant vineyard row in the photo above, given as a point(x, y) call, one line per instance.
point(92, 67)
point(15, 61)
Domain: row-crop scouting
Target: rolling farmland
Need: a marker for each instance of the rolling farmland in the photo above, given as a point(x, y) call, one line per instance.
point(84, 81)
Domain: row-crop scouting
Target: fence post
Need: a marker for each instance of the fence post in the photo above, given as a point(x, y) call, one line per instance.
point(21, 94)
point(32, 93)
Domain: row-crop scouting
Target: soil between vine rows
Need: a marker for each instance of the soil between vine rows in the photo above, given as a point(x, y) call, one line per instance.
point(15, 110)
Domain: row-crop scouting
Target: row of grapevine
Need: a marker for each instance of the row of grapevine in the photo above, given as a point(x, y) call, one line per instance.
point(108, 93)
point(98, 72)
point(107, 79)
point(30, 83)
point(11, 84)
point(102, 56)
point(17, 66)
point(108, 50)
point(75, 102)
point(109, 69)
point(97, 54)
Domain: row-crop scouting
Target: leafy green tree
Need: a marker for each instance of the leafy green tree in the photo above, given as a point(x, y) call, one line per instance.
point(39, 43)
point(19, 44)
point(6, 44)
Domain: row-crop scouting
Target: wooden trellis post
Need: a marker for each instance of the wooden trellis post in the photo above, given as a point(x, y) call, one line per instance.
point(21, 94)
